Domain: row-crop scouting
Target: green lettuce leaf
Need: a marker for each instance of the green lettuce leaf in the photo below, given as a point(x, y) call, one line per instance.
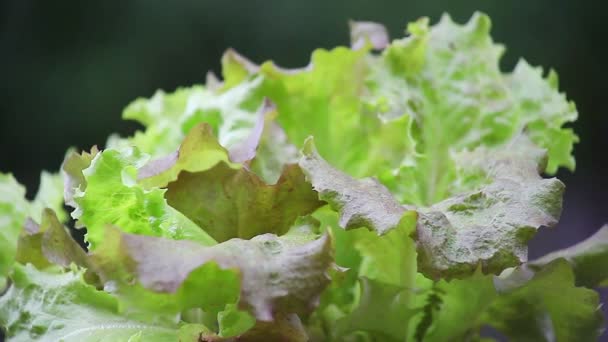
point(73, 178)
point(547, 307)
point(447, 79)
point(588, 259)
point(234, 322)
point(42, 306)
point(169, 117)
point(113, 196)
point(544, 111)
point(322, 100)
point(522, 304)
point(200, 151)
point(454, 310)
point(49, 195)
point(13, 212)
point(16, 212)
point(383, 312)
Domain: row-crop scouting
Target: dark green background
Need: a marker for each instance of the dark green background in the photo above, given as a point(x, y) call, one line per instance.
point(67, 68)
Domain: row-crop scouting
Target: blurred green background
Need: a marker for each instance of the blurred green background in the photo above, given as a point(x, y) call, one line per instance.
point(69, 67)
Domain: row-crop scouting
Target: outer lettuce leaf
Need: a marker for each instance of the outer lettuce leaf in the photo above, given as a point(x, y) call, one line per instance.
point(112, 196)
point(49, 244)
point(458, 311)
point(525, 306)
point(294, 273)
point(361, 203)
point(383, 312)
point(13, 212)
point(489, 227)
point(589, 259)
point(547, 307)
point(117, 264)
point(16, 211)
point(41, 306)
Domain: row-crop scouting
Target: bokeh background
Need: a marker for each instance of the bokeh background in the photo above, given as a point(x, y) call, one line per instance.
point(67, 68)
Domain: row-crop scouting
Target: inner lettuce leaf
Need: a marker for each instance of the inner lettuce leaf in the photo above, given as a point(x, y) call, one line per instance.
point(447, 79)
point(200, 151)
point(230, 203)
point(49, 243)
point(169, 117)
point(227, 199)
point(113, 196)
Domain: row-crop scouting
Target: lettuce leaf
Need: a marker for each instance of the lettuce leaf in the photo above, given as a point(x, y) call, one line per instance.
point(548, 307)
point(16, 212)
point(382, 310)
point(447, 78)
point(49, 243)
point(230, 203)
point(171, 275)
point(113, 196)
point(489, 227)
point(13, 209)
point(588, 259)
point(62, 307)
point(169, 117)
point(524, 305)
point(199, 151)
point(361, 203)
